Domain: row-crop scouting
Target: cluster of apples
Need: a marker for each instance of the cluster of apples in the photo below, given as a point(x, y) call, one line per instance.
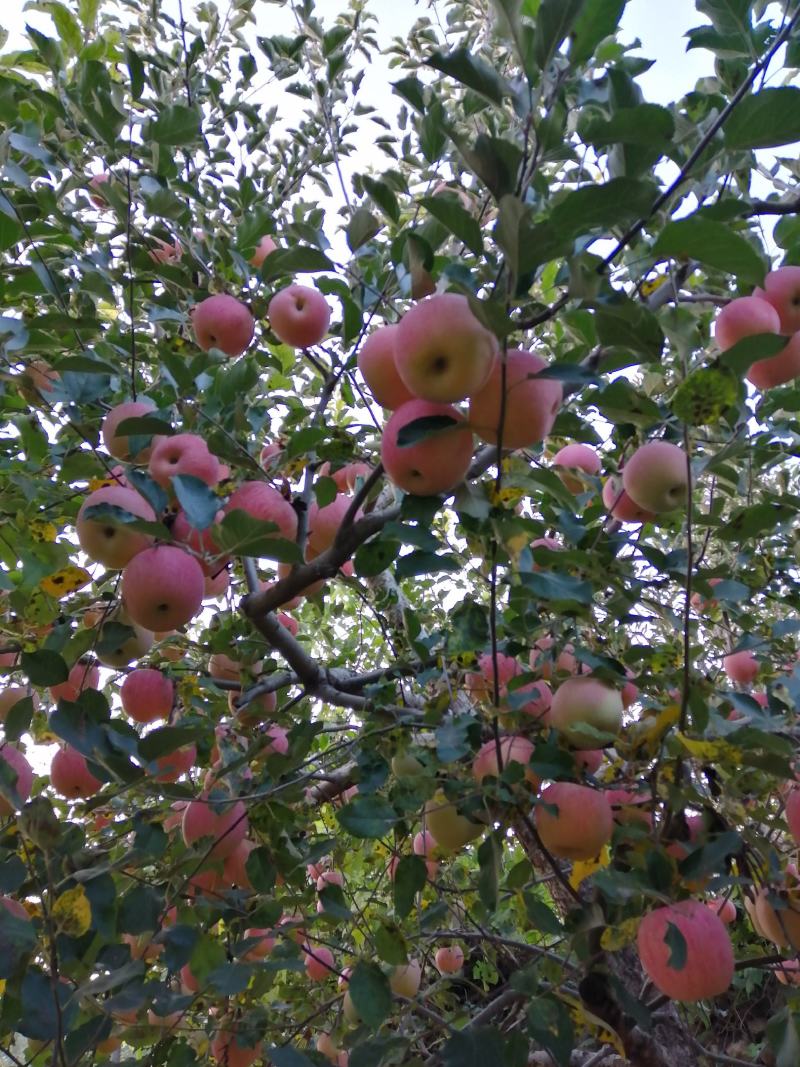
point(774, 309)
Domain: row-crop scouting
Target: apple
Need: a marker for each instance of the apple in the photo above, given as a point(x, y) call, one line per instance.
point(11, 696)
point(782, 291)
point(95, 184)
point(700, 604)
point(223, 821)
point(512, 750)
point(723, 907)
point(166, 252)
point(581, 825)
point(290, 623)
point(147, 695)
point(134, 647)
point(787, 971)
point(327, 878)
point(424, 844)
point(630, 691)
point(792, 812)
point(451, 830)
point(163, 587)
point(405, 979)
point(320, 963)
point(216, 585)
point(261, 501)
point(222, 667)
point(538, 707)
point(8, 659)
point(221, 321)
point(324, 523)
point(777, 369)
point(576, 457)
point(481, 684)
point(442, 352)
point(119, 445)
point(264, 247)
point(620, 505)
point(589, 760)
point(378, 368)
point(435, 464)
point(549, 544)
point(23, 783)
point(405, 765)
point(227, 1051)
point(201, 543)
point(268, 452)
point(741, 667)
point(630, 806)
point(81, 676)
point(299, 316)
point(449, 959)
point(747, 316)
point(172, 765)
point(184, 453)
point(706, 971)
point(264, 943)
point(586, 701)
point(531, 403)
point(106, 542)
point(70, 776)
point(656, 477)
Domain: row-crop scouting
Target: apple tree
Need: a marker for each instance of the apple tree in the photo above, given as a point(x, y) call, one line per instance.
point(398, 569)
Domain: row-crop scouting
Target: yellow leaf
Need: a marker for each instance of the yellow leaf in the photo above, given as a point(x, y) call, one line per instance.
point(616, 937)
point(600, 1029)
point(649, 731)
point(709, 750)
point(2, 986)
point(507, 495)
point(651, 284)
point(101, 483)
point(41, 530)
point(65, 581)
point(583, 869)
point(72, 913)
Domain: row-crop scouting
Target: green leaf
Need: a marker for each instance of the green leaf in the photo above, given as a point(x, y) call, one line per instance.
point(18, 719)
point(598, 19)
point(175, 125)
point(713, 244)
point(43, 1017)
point(562, 588)
point(390, 944)
point(369, 990)
point(242, 535)
point(550, 1025)
point(741, 356)
point(769, 118)
point(645, 124)
point(603, 206)
point(412, 90)
point(676, 943)
point(286, 1056)
point(542, 917)
point(367, 817)
point(628, 324)
point(383, 196)
point(747, 523)
point(490, 856)
point(448, 210)
point(553, 22)
point(44, 667)
point(17, 940)
point(199, 501)
point(361, 228)
point(375, 557)
point(421, 429)
point(783, 1035)
point(469, 627)
point(472, 72)
point(261, 870)
point(301, 259)
point(144, 426)
point(708, 859)
point(619, 402)
point(425, 563)
point(410, 877)
point(166, 739)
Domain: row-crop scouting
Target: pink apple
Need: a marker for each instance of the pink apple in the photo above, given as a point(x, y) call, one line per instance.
point(746, 316)
point(119, 445)
point(189, 982)
point(723, 907)
point(224, 822)
point(299, 316)
point(108, 543)
point(147, 695)
point(538, 707)
point(264, 943)
point(11, 696)
point(512, 750)
point(586, 701)
point(166, 252)
point(291, 624)
point(96, 182)
point(576, 457)
point(348, 476)
point(263, 502)
point(71, 777)
point(656, 477)
point(778, 369)
point(379, 370)
point(442, 352)
point(481, 684)
point(264, 247)
point(708, 967)
point(14, 759)
point(216, 585)
point(184, 453)
point(581, 825)
point(630, 691)
point(221, 321)
point(327, 878)
point(235, 865)
point(433, 465)
point(782, 290)
point(449, 959)
point(201, 543)
point(268, 451)
point(424, 844)
point(14, 908)
point(531, 403)
point(163, 587)
point(320, 963)
point(172, 765)
point(81, 676)
point(324, 523)
point(620, 505)
point(589, 760)
point(741, 667)
point(223, 667)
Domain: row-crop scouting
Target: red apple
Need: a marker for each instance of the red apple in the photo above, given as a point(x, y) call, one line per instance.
point(172, 765)
point(531, 402)
point(434, 465)
point(227, 825)
point(299, 316)
point(163, 587)
point(71, 777)
point(221, 321)
point(576, 457)
point(379, 370)
point(449, 959)
point(741, 667)
point(106, 542)
point(264, 248)
point(656, 477)
point(778, 369)
point(81, 676)
point(512, 750)
point(746, 316)
point(147, 695)
point(263, 502)
point(23, 784)
point(620, 505)
point(119, 445)
point(184, 453)
point(581, 825)
point(320, 963)
point(707, 969)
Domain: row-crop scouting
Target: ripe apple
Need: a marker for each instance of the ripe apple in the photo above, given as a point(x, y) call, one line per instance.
point(747, 316)
point(424, 844)
point(320, 963)
point(589, 760)
point(268, 451)
point(707, 969)
point(620, 505)
point(14, 908)
point(24, 778)
point(201, 543)
point(70, 775)
point(163, 587)
point(216, 585)
point(481, 684)
point(576, 457)
point(167, 252)
point(586, 701)
point(327, 878)
point(777, 369)
point(442, 352)
point(433, 465)
point(184, 453)
point(581, 825)
point(449, 959)
point(531, 403)
point(81, 676)
point(723, 907)
point(222, 667)
point(450, 829)
point(512, 750)
point(263, 502)
point(11, 696)
point(227, 1051)
point(226, 826)
point(119, 445)
point(221, 321)
point(299, 316)
point(324, 523)
point(264, 943)
point(174, 764)
point(105, 542)
point(378, 368)
point(95, 184)
point(741, 667)
point(630, 806)
point(792, 813)
point(538, 707)
point(656, 477)
point(405, 979)
point(782, 290)
point(264, 247)
point(134, 647)
point(147, 695)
